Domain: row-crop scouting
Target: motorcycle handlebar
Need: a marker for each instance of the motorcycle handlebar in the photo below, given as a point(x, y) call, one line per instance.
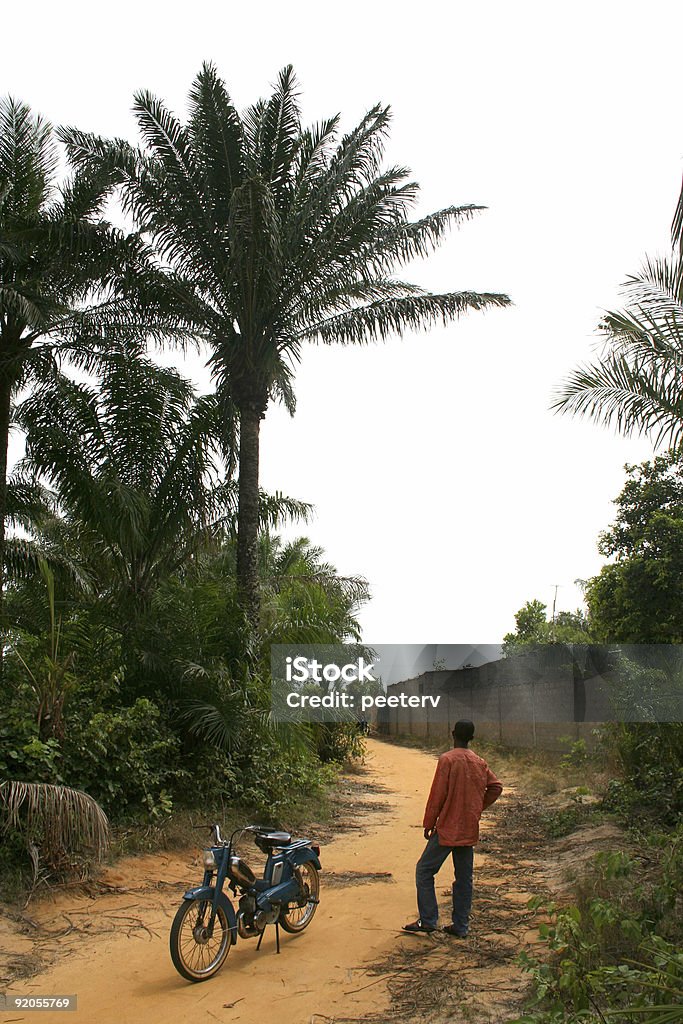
point(216, 830)
point(220, 841)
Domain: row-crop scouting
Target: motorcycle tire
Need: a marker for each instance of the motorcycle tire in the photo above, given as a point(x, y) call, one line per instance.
point(195, 956)
point(294, 917)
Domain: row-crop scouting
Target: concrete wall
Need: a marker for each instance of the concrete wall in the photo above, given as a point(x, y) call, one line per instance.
point(544, 701)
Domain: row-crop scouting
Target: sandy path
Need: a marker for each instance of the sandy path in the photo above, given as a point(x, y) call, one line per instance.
point(126, 976)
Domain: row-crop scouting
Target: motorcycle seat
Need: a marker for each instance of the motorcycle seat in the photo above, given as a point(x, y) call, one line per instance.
point(273, 839)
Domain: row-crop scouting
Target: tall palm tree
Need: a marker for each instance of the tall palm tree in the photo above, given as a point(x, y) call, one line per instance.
point(276, 235)
point(636, 383)
point(65, 273)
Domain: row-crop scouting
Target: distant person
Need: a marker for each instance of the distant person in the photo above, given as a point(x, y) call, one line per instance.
point(463, 786)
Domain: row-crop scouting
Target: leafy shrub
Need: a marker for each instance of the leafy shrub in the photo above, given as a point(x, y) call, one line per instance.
point(577, 756)
point(127, 758)
point(338, 741)
point(557, 824)
point(272, 778)
point(23, 755)
point(649, 761)
point(616, 951)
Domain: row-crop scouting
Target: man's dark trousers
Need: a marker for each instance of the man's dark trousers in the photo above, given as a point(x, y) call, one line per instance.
point(427, 866)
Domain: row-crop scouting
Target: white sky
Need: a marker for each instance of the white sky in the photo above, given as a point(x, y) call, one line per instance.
point(435, 467)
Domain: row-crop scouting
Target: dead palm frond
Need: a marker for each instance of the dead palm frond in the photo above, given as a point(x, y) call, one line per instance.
point(57, 819)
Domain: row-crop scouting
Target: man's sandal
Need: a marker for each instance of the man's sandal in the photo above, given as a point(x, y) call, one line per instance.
point(417, 926)
point(450, 929)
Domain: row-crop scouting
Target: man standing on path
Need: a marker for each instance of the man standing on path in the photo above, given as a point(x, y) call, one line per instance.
point(463, 786)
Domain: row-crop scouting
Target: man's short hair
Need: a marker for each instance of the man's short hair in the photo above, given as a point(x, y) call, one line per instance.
point(463, 731)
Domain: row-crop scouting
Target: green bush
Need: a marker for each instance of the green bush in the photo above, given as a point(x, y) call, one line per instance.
point(617, 950)
point(557, 824)
point(649, 762)
point(338, 741)
point(23, 755)
point(127, 758)
point(272, 778)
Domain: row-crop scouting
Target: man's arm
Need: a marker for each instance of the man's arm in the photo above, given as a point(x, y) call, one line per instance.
point(493, 788)
point(437, 795)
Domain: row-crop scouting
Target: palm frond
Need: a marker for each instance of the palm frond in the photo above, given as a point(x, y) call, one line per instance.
point(219, 726)
point(276, 134)
point(635, 384)
point(27, 499)
point(28, 158)
point(394, 316)
point(216, 133)
point(65, 819)
point(677, 224)
point(633, 396)
point(23, 558)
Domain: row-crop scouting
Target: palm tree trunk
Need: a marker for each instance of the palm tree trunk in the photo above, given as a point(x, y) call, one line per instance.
point(5, 405)
point(248, 511)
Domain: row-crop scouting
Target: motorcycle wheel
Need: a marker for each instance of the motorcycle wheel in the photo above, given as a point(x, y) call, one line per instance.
point(194, 955)
point(293, 917)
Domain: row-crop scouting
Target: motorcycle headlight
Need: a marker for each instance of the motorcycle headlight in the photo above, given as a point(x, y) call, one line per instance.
point(209, 860)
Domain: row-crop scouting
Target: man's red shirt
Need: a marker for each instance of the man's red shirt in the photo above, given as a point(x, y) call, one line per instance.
point(463, 786)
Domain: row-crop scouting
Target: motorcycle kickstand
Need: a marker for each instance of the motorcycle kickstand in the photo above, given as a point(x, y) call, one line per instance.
point(277, 938)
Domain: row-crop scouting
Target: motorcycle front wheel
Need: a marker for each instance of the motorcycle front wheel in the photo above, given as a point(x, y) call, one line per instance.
point(196, 955)
point(296, 916)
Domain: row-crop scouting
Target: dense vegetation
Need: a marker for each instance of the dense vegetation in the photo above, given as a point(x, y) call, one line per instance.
point(130, 671)
point(142, 579)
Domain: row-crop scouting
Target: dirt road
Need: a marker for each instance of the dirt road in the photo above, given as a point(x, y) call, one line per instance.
point(349, 964)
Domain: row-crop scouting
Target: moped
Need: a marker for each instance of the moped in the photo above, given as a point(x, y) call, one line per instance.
point(206, 925)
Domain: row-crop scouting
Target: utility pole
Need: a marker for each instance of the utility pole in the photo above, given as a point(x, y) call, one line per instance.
point(557, 587)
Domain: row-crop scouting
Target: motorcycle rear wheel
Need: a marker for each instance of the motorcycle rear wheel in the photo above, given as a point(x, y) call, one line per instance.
point(196, 956)
point(293, 917)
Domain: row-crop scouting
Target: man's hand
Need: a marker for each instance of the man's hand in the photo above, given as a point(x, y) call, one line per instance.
point(429, 832)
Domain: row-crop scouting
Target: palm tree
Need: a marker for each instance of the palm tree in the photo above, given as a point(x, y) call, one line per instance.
point(275, 235)
point(64, 272)
point(636, 381)
point(304, 598)
point(223, 696)
point(133, 465)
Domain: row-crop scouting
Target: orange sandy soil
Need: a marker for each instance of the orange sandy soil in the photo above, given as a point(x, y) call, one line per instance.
point(352, 963)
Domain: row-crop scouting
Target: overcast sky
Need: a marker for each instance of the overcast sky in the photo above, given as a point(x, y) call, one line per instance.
point(435, 466)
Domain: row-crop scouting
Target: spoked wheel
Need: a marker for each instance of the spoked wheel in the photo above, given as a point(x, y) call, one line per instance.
point(196, 954)
point(295, 916)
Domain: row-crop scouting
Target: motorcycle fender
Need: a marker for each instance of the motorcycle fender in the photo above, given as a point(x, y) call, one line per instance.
point(208, 893)
point(304, 854)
